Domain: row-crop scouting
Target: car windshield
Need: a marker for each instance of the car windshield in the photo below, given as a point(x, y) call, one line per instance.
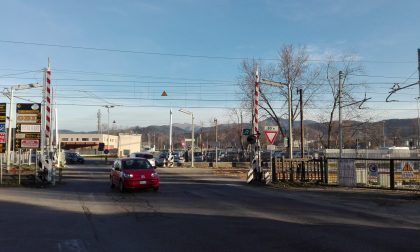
point(148, 156)
point(131, 164)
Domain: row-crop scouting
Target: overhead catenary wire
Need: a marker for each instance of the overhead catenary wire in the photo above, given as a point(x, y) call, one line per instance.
point(143, 52)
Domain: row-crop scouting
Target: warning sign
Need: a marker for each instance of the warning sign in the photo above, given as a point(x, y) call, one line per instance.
point(407, 170)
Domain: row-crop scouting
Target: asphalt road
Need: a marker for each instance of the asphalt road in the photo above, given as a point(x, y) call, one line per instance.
point(195, 210)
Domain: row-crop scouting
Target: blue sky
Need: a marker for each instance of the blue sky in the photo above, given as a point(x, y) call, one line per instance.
point(382, 34)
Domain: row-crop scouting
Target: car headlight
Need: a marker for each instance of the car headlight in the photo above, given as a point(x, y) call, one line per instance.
point(155, 175)
point(127, 175)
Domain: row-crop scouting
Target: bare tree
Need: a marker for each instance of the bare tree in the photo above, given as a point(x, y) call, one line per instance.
point(293, 69)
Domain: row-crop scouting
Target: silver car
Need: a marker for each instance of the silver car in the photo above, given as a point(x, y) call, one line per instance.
point(145, 155)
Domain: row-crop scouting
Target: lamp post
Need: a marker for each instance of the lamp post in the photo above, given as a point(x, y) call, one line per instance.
point(215, 121)
point(10, 93)
point(289, 101)
point(107, 148)
point(192, 134)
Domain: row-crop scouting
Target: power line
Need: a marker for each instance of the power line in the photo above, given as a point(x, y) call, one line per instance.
point(179, 54)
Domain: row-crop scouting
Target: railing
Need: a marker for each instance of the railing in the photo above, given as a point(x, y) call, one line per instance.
point(388, 173)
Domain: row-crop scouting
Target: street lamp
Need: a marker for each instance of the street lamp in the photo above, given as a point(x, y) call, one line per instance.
point(192, 134)
point(107, 148)
point(10, 93)
point(289, 101)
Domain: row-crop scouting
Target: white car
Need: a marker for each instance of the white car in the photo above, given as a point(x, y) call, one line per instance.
point(145, 155)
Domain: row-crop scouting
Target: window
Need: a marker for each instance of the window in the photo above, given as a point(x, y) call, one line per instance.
point(95, 139)
point(72, 139)
point(85, 139)
point(65, 139)
point(77, 139)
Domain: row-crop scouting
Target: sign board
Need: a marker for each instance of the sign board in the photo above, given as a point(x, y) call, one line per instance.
point(3, 127)
point(373, 170)
point(246, 132)
point(28, 125)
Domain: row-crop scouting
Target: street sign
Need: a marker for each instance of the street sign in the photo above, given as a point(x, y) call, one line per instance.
point(106, 151)
point(271, 133)
point(246, 132)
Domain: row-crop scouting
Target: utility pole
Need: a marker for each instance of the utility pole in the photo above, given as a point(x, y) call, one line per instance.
point(340, 122)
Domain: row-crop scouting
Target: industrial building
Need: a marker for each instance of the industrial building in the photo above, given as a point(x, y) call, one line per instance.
point(88, 143)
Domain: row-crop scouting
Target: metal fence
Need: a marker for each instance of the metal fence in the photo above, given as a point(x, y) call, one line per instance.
point(389, 173)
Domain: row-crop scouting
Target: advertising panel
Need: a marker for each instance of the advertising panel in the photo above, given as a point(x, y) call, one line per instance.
point(28, 125)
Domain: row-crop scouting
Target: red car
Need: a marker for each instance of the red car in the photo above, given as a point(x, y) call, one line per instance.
point(131, 173)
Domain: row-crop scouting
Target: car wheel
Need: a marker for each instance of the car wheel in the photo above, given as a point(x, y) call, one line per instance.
point(121, 187)
point(156, 188)
point(111, 183)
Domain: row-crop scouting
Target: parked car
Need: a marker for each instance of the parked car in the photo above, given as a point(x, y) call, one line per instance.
point(145, 155)
point(198, 156)
point(131, 173)
point(73, 158)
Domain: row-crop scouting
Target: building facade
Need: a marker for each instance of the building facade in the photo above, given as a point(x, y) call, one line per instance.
point(87, 143)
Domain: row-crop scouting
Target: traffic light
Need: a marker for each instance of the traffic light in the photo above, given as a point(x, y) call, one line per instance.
point(101, 146)
point(251, 139)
